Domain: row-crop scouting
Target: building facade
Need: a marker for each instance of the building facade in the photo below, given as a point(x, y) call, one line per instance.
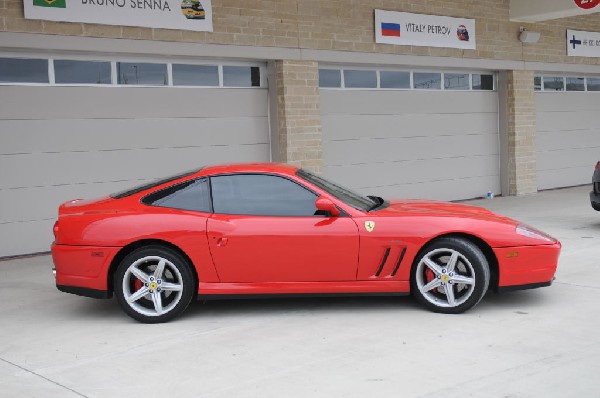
point(89, 109)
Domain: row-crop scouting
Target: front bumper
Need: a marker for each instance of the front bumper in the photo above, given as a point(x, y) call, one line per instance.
point(505, 289)
point(85, 292)
point(526, 267)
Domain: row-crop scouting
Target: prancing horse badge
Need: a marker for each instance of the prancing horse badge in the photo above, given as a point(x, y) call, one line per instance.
point(369, 226)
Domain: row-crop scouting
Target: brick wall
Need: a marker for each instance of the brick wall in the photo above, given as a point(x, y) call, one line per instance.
point(522, 171)
point(336, 25)
point(299, 114)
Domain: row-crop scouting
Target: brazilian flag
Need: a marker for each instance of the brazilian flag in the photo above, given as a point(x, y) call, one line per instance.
point(50, 3)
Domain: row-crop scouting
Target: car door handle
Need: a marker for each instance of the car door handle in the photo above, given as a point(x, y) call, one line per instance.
point(222, 242)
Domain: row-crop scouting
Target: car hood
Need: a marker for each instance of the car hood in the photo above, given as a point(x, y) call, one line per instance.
point(430, 207)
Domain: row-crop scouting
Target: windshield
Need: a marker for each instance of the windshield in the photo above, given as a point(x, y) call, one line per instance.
point(345, 195)
point(155, 183)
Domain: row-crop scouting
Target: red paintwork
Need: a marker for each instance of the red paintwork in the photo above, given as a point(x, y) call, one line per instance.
point(304, 287)
point(260, 255)
point(533, 264)
point(283, 249)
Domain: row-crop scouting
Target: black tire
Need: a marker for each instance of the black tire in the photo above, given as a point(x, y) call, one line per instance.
point(471, 267)
point(177, 275)
point(596, 206)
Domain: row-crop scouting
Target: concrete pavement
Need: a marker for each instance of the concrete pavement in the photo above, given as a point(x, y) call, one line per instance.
point(538, 343)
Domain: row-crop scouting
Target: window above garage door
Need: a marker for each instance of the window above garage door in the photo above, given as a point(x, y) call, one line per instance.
point(558, 83)
point(389, 79)
point(107, 72)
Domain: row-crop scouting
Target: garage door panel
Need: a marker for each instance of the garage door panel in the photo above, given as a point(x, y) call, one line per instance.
point(61, 143)
point(394, 173)
point(410, 125)
point(447, 189)
point(393, 102)
point(126, 102)
point(404, 142)
point(392, 149)
point(47, 169)
point(548, 179)
point(26, 237)
point(27, 136)
point(567, 139)
point(568, 121)
point(443, 190)
point(567, 158)
point(567, 101)
point(36, 203)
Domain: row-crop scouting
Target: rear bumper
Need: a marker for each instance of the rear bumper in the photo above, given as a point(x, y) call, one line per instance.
point(595, 200)
point(526, 267)
point(83, 270)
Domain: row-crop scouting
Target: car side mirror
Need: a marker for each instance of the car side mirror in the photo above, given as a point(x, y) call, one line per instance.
point(325, 205)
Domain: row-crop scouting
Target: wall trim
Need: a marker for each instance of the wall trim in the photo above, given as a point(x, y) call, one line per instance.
point(23, 42)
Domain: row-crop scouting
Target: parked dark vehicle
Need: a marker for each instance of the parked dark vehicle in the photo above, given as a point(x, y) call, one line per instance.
point(595, 194)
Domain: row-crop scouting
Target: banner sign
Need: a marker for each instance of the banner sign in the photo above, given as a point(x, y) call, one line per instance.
point(169, 14)
point(583, 44)
point(408, 29)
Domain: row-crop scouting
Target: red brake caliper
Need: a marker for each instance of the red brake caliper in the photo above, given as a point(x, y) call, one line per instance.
point(137, 284)
point(429, 275)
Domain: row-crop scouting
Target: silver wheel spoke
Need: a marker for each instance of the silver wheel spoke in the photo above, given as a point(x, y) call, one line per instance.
point(463, 279)
point(160, 268)
point(157, 300)
point(437, 270)
point(445, 263)
point(452, 262)
point(171, 286)
point(450, 295)
point(431, 285)
point(138, 295)
point(153, 286)
point(141, 275)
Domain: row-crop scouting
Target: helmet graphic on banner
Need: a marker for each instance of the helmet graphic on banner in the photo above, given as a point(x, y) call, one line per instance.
point(192, 9)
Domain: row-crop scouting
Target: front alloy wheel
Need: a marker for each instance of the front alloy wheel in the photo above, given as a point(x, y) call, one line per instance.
point(154, 284)
point(450, 276)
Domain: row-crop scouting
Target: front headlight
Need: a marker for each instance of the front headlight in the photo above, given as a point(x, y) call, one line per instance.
point(530, 232)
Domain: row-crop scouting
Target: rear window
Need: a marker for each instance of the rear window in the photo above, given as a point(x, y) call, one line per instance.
point(193, 195)
point(149, 185)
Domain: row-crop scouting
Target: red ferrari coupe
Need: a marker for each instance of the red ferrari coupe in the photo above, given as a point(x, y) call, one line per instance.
point(273, 229)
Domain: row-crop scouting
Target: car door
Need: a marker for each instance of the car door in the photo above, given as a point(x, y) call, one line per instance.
point(264, 229)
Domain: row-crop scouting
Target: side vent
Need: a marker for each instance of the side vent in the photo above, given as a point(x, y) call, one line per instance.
point(385, 257)
point(390, 263)
point(400, 258)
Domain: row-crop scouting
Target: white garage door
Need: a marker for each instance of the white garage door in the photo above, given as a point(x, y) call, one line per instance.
point(61, 143)
point(568, 132)
point(438, 144)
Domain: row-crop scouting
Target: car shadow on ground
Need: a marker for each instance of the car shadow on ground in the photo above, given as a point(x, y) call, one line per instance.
point(595, 225)
point(102, 310)
point(232, 307)
point(494, 302)
point(521, 299)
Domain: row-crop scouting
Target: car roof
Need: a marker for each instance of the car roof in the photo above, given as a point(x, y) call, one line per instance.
point(263, 167)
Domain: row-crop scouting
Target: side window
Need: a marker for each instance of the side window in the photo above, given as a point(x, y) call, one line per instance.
point(190, 195)
point(261, 195)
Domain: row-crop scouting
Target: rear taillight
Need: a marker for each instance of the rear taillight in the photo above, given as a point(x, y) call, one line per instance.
point(55, 230)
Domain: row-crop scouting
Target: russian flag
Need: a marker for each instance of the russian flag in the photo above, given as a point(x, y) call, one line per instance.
point(390, 29)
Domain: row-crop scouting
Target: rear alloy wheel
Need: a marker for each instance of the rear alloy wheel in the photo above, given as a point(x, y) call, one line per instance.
point(450, 276)
point(154, 284)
